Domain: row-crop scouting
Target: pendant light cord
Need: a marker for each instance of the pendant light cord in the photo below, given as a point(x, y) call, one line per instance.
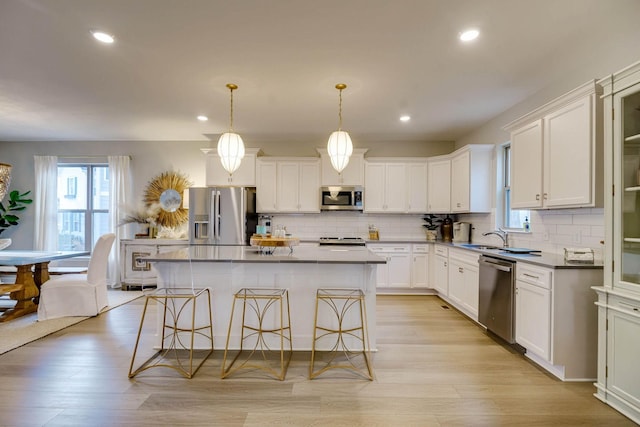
point(231, 113)
point(340, 110)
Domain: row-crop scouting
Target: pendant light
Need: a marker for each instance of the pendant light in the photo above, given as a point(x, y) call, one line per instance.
point(230, 145)
point(339, 146)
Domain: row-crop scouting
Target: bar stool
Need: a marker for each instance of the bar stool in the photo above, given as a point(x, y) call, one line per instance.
point(259, 332)
point(179, 331)
point(351, 338)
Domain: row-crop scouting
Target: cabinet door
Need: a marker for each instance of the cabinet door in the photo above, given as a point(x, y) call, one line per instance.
point(417, 187)
point(471, 289)
point(136, 271)
point(624, 353)
point(288, 187)
point(460, 169)
point(309, 188)
point(399, 269)
point(352, 175)
point(441, 276)
point(420, 271)
point(266, 185)
point(439, 186)
point(396, 188)
point(533, 319)
point(526, 166)
point(374, 187)
point(456, 282)
point(568, 162)
point(244, 176)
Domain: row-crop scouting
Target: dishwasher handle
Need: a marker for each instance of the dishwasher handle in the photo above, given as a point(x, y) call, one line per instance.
point(489, 262)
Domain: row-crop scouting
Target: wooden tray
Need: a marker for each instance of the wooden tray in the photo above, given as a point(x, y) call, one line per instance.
point(258, 240)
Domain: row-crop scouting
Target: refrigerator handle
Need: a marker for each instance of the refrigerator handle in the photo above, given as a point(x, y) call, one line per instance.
point(217, 216)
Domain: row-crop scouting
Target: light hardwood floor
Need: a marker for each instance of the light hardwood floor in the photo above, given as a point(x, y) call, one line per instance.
point(433, 368)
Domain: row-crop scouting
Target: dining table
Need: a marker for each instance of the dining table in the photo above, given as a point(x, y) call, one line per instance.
point(32, 271)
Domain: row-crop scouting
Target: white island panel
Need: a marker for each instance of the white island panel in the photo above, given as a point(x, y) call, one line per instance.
point(227, 269)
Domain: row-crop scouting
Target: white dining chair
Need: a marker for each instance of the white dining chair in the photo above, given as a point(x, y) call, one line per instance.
point(78, 294)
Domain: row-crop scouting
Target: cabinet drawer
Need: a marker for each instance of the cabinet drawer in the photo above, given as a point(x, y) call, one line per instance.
point(464, 256)
point(381, 248)
point(533, 275)
point(420, 249)
point(441, 250)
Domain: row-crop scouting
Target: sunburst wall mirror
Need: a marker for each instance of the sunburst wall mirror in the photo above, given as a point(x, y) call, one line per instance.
point(166, 191)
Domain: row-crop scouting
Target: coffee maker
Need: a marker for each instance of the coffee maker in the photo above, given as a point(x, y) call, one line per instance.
point(461, 232)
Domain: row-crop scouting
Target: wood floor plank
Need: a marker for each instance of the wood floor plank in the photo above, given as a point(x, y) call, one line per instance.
point(433, 367)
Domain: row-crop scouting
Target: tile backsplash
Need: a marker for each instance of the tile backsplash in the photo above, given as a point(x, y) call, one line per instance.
point(551, 230)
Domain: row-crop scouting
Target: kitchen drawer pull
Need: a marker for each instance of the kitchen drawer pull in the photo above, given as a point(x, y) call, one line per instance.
point(532, 276)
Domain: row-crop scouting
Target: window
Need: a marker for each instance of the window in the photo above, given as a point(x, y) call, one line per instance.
point(83, 205)
point(511, 218)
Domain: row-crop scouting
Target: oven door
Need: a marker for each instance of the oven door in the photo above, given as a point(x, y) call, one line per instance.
point(340, 198)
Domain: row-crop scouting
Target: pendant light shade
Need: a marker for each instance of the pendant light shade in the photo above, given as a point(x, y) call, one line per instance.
point(230, 144)
point(340, 146)
point(231, 151)
point(340, 149)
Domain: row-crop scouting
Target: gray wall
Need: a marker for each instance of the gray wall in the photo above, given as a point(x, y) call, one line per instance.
point(149, 159)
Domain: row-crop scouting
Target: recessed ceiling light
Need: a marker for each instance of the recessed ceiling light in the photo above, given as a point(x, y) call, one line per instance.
point(103, 37)
point(468, 35)
point(405, 118)
point(203, 118)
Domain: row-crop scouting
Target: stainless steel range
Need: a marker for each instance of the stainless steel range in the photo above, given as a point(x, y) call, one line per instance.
point(344, 241)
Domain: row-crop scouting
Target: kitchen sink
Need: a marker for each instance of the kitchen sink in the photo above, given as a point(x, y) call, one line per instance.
point(478, 246)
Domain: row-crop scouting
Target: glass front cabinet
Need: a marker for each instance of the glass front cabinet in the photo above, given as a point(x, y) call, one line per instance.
point(618, 303)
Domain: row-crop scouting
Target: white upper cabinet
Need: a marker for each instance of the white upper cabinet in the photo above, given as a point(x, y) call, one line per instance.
point(352, 175)
point(526, 166)
point(385, 187)
point(556, 153)
point(439, 185)
point(245, 176)
point(398, 186)
point(266, 185)
point(417, 187)
point(471, 179)
point(288, 185)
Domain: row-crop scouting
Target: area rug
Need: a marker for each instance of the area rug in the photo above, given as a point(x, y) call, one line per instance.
point(23, 330)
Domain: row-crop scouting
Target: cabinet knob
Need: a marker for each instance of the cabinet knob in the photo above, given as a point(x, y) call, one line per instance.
point(460, 270)
point(537, 197)
point(544, 196)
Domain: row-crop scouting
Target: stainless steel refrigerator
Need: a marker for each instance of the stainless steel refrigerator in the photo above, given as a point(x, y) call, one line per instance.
point(222, 215)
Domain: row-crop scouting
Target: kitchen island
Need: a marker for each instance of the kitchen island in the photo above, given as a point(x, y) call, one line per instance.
point(227, 269)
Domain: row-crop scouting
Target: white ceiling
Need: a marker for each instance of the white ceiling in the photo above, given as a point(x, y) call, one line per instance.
point(172, 59)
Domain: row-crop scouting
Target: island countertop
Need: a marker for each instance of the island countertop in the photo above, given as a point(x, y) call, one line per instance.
point(249, 254)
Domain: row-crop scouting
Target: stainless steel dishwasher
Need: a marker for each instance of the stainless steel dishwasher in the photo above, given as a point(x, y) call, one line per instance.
point(496, 305)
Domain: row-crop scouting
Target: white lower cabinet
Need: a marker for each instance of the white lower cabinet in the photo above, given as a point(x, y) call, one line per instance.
point(464, 277)
point(420, 266)
point(556, 319)
point(441, 270)
point(533, 314)
point(397, 271)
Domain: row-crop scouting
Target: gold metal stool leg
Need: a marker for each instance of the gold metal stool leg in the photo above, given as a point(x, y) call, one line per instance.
point(341, 301)
point(256, 303)
point(177, 341)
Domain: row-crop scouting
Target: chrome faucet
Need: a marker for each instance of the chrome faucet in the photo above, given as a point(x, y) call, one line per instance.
point(504, 236)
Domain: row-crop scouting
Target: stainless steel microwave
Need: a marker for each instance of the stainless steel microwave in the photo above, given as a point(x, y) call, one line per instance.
point(341, 198)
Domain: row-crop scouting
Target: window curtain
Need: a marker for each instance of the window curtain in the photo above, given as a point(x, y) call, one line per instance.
point(45, 235)
point(120, 190)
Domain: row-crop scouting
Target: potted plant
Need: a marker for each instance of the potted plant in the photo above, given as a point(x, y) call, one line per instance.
point(17, 202)
point(432, 222)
